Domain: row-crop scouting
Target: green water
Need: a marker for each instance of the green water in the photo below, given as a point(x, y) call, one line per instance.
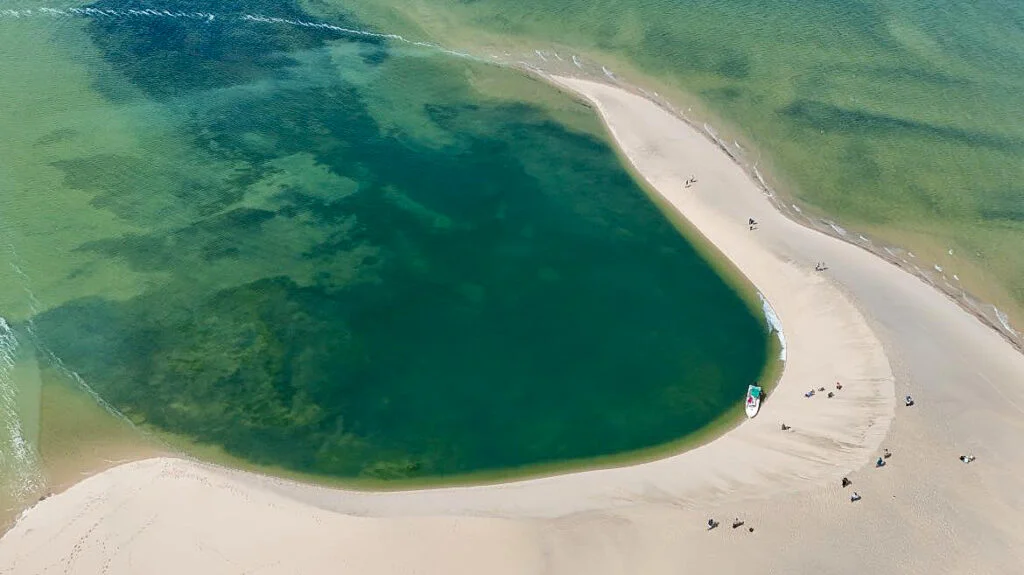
point(901, 117)
point(344, 255)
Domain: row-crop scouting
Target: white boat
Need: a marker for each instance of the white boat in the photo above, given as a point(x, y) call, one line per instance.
point(753, 400)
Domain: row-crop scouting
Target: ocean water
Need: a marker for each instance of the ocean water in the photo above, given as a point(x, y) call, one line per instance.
point(337, 253)
point(899, 117)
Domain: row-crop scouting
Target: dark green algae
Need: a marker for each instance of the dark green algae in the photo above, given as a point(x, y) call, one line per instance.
point(494, 294)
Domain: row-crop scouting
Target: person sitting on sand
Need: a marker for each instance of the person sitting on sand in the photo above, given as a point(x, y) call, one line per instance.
point(909, 401)
point(967, 458)
point(786, 427)
point(886, 454)
point(839, 385)
point(855, 497)
point(712, 524)
point(880, 462)
point(831, 395)
point(846, 482)
point(737, 523)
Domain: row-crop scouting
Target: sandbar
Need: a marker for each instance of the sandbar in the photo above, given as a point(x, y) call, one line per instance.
point(863, 322)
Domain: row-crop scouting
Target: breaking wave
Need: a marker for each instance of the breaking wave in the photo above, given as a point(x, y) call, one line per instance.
point(774, 325)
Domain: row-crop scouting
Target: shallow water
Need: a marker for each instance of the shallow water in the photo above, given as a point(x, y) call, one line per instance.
point(341, 254)
point(901, 117)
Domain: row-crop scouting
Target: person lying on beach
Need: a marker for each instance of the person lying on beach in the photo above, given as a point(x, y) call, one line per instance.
point(809, 393)
point(967, 458)
point(737, 523)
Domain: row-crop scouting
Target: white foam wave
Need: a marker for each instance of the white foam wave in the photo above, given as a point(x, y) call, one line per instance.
point(18, 461)
point(207, 17)
point(774, 324)
point(1005, 321)
point(835, 227)
point(757, 174)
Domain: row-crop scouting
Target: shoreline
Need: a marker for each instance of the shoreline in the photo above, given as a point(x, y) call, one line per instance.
point(755, 461)
point(995, 318)
point(881, 330)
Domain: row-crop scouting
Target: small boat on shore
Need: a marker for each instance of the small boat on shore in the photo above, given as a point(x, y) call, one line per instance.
point(753, 400)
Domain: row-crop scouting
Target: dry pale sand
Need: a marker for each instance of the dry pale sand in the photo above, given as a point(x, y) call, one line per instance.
point(860, 322)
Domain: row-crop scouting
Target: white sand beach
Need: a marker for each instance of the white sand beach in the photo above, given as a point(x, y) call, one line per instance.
point(880, 331)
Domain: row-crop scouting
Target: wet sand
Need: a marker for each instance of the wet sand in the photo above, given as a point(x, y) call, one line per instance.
point(863, 322)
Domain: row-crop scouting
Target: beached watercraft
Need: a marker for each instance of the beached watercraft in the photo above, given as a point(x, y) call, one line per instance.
point(753, 400)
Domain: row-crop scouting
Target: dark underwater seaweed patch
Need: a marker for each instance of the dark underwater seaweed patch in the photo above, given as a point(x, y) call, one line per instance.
point(832, 118)
point(172, 56)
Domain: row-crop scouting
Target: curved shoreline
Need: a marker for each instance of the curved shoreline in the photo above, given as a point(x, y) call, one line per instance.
point(756, 450)
point(650, 517)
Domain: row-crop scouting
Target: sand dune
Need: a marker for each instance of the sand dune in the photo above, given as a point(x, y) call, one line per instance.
point(864, 322)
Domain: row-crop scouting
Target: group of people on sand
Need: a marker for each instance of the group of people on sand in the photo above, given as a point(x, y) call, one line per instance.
point(820, 267)
point(831, 394)
point(880, 462)
point(736, 524)
point(886, 454)
point(690, 181)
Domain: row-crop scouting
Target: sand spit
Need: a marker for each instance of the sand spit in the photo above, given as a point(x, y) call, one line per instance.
point(858, 322)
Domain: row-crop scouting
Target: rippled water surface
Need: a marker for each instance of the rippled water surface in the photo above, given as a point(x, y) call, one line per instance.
point(330, 252)
point(901, 117)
